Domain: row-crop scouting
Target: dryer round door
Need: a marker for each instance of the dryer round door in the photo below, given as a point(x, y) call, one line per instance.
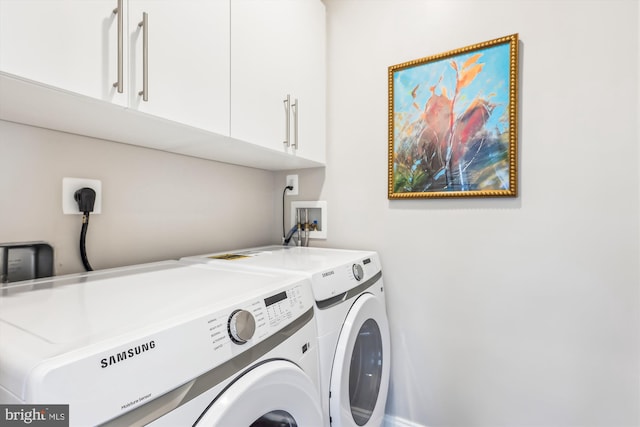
point(360, 375)
point(275, 393)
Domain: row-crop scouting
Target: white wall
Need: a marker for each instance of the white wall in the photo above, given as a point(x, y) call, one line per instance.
point(512, 312)
point(155, 205)
point(503, 312)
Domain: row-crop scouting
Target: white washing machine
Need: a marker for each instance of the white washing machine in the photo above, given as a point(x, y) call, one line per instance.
point(353, 330)
point(163, 344)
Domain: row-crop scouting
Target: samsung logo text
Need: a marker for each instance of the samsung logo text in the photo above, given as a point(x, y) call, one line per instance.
point(127, 354)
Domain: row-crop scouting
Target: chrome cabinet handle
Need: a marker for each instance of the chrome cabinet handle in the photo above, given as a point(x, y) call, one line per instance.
point(119, 11)
point(295, 124)
point(145, 56)
point(287, 109)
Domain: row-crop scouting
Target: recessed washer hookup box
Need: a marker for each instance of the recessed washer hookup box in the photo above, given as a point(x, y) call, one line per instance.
point(24, 261)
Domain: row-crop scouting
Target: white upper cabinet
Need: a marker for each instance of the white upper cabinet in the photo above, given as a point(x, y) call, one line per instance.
point(216, 73)
point(278, 51)
point(188, 61)
point(74, 45)
point(71, 44)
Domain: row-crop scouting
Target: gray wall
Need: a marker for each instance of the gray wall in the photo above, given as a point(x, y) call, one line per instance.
point(155, 205)
point(512, 312)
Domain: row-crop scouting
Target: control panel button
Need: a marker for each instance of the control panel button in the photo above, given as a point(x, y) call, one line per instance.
point(241, 326)
point(358, 272)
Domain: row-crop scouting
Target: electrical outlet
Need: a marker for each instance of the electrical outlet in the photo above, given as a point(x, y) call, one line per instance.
point(69, 188)
point(292, 180)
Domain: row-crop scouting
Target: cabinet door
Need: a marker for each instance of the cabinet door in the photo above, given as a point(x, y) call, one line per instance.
point(307, 76)
point(277, 49)
point(188, 61)
point(70, 44)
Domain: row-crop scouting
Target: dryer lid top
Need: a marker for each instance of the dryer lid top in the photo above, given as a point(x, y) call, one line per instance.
point(331, 270)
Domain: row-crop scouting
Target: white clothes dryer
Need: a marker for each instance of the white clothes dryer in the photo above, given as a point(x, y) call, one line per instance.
point(163, 344)
point(353, 330)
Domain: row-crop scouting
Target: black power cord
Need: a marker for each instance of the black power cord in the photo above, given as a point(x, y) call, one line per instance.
point(86, 198)
point(288, 187)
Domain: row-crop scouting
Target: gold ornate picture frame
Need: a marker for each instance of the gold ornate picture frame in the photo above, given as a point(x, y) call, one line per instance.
point(453, 123)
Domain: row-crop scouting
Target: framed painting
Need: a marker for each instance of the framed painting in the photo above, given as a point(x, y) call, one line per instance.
point(453, 123)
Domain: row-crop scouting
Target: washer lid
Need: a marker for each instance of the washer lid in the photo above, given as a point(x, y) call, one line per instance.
point(77, 320)
point(78, 310)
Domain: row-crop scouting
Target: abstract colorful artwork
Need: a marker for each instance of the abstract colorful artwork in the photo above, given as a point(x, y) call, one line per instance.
point(453, 123)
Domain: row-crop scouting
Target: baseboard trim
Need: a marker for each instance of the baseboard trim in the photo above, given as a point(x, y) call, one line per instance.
point(394, 421)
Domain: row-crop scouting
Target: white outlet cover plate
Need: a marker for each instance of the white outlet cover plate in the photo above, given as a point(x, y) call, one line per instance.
point(293, 180)
point(71, 185)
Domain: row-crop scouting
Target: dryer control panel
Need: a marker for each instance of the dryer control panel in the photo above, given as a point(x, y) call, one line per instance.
point(337, 280)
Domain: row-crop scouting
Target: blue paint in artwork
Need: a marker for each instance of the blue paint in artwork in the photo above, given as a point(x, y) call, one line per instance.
point(491, 84)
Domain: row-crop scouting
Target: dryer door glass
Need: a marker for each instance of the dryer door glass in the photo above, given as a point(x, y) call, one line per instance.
point(275, 419)
point(365, 372)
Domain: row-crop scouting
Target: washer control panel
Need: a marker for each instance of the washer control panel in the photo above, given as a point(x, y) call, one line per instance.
point(358, 272)
point(241, 326)
point(258, 318)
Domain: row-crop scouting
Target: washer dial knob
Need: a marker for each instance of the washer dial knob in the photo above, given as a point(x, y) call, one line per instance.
point(358, 272)
point(241, 326)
